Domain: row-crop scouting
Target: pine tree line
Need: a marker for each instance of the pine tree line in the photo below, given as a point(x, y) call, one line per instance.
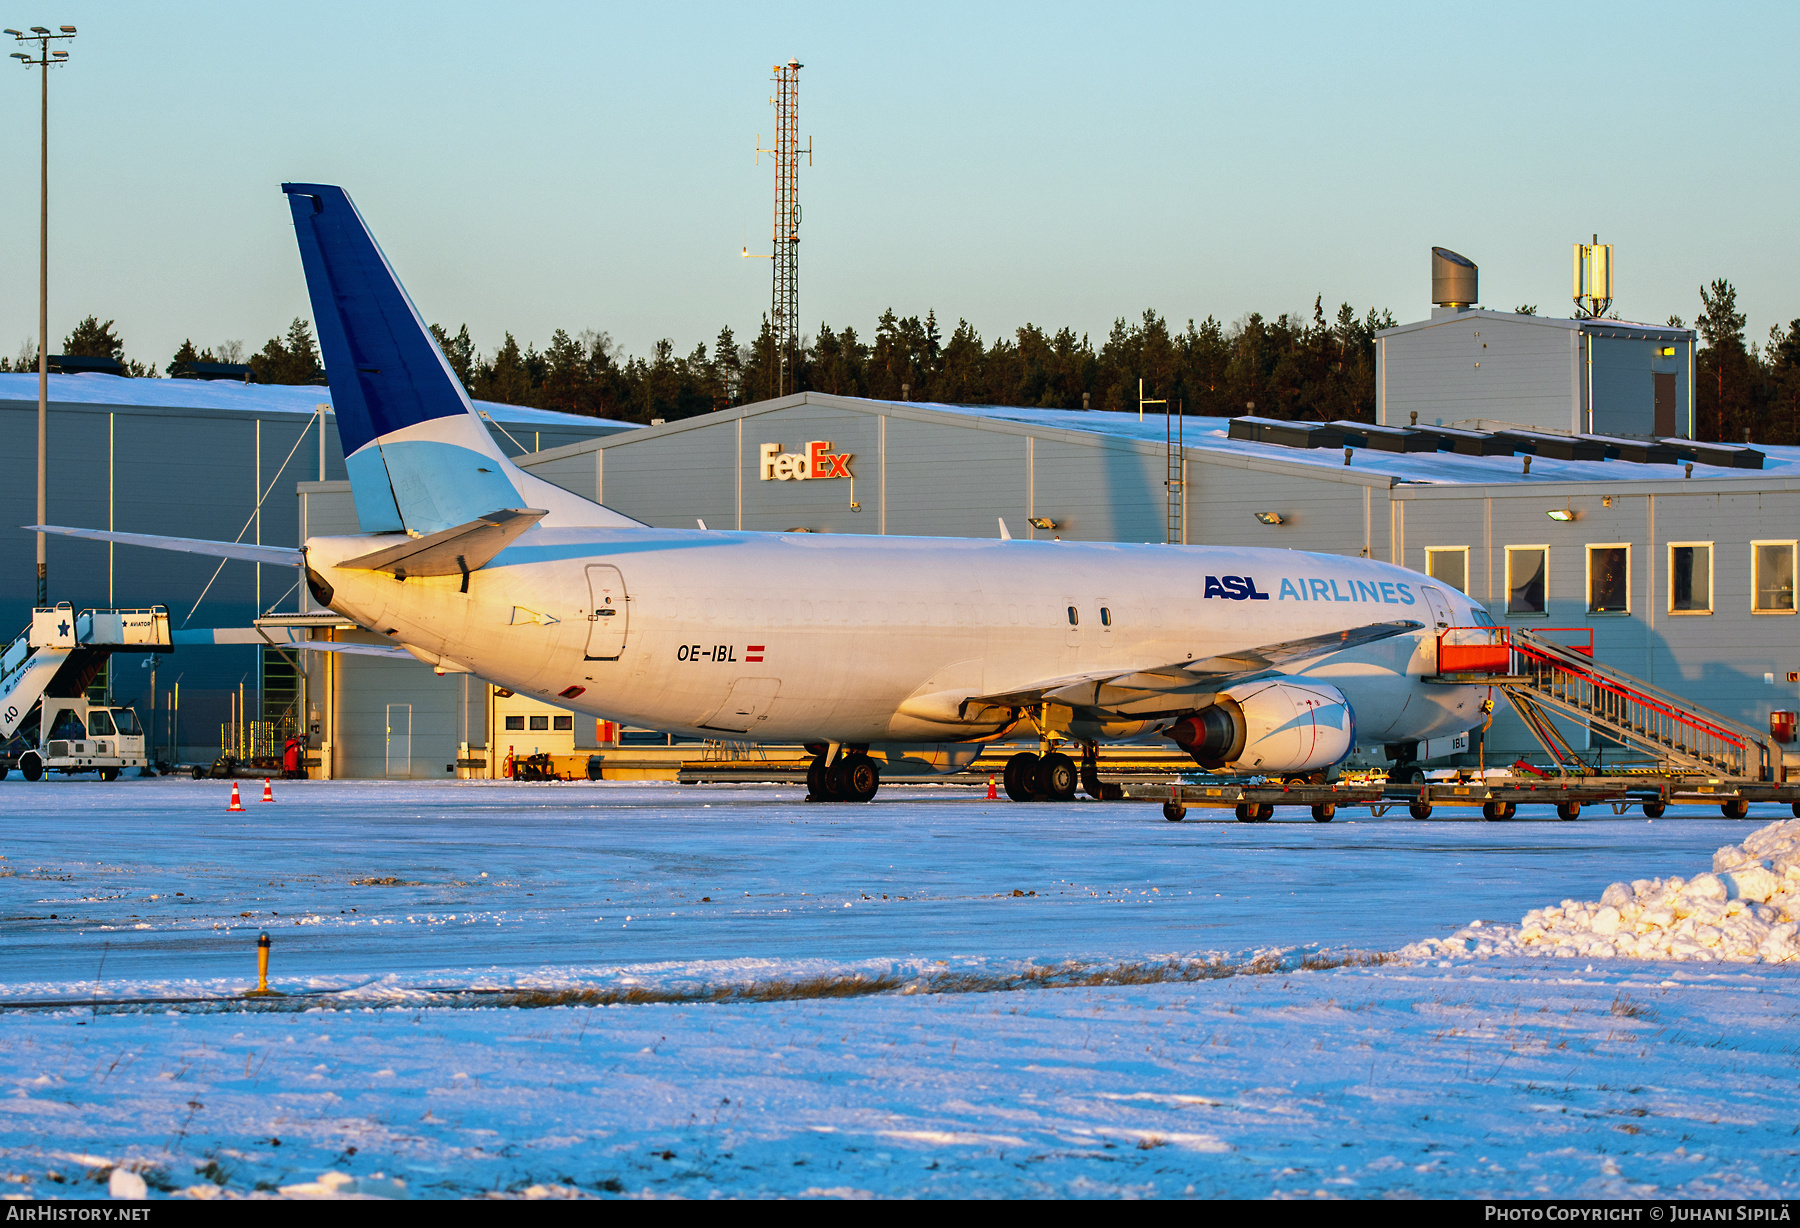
point(1289, 367)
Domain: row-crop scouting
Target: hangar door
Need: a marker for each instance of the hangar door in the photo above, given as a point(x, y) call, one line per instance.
point(608, 612)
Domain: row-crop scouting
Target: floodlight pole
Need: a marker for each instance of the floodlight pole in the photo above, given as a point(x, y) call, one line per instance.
point(45, 61)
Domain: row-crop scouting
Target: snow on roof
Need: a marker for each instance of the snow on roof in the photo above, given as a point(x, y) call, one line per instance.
point(248, 398)
point(1435, 468)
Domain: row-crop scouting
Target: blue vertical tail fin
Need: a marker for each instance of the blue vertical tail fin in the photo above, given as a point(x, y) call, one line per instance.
point(419, 458)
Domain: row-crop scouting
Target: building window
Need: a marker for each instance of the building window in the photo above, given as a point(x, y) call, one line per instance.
point(516, 722)
point(1690, 578)
point(1449, 565)
point(540, 723)
point(1772, 583)
point(1609, 579)
point(563, 722)
point(1526, 581)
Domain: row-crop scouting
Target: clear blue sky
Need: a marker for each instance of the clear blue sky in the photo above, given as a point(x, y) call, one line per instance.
point(530, 166)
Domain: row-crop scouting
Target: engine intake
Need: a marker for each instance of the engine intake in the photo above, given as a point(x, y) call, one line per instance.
point(1270, 726)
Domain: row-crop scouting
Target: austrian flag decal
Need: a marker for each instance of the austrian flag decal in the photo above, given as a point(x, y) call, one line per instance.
point(753, 652)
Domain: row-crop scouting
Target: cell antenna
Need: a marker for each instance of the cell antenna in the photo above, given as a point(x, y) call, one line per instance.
point(1592, 278)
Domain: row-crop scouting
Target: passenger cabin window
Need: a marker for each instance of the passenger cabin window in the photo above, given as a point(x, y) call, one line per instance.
point(1773, 585)
point(516, 722)
point(1449, 565)
point(1105, 617)
point(540, 723)
point(1690, 578)
point(1609, 579)
point(1525, 579)
point(99, 723)
point(1074, 617)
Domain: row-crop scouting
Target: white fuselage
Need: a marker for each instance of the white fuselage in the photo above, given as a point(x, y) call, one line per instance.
point(854, 639)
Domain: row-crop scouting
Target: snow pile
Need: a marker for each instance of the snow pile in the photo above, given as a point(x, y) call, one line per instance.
point(1745, 910)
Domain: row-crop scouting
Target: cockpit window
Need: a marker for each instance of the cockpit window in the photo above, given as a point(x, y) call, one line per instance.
point(1479, 617)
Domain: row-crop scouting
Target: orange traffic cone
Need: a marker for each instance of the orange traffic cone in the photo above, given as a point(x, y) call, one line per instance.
point(268, 791)
point(237, 803)
point(992, 795)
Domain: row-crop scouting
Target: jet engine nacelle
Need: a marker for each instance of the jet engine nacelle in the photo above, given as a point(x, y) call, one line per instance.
point(1274, 725)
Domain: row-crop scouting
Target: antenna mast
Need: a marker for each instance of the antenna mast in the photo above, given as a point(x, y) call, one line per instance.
point(784, 299)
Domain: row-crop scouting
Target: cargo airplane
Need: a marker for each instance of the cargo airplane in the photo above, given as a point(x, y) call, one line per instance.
point(892, 655)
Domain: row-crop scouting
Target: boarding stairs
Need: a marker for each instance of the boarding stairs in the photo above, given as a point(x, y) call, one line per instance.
point(1540, 674)
point(60, 642)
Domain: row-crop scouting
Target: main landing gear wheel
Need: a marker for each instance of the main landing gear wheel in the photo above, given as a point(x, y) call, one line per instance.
point(817, 788)
point(1056, 777)
point(1252, 812)
point(1017, 776)
point(1494, 812)
point(1735, 808)
point(1324, 812)
point(1419, 810)
point(31, 765)
point(1174, 811)
point(860, 778)
point(1568, 811)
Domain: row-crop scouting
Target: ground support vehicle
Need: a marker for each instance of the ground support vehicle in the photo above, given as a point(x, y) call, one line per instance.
point(45, 714)
point(1500, 798)
point(1254, 801)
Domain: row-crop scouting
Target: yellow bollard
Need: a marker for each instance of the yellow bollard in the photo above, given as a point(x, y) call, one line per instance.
point(262, 989)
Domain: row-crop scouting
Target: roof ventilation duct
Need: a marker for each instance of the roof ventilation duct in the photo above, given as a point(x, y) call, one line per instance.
point(1453, 279)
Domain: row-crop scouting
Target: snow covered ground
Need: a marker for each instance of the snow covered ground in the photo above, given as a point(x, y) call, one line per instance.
point(388, 902)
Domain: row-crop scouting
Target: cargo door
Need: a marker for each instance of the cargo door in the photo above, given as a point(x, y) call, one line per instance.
point(608, 612)
point(747, 704)
point(1440, 615)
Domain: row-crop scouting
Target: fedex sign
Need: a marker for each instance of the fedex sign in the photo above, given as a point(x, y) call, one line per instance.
point(817, 461)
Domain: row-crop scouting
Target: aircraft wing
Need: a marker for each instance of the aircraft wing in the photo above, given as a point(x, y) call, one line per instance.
point(1180, 685)
point(279, 556)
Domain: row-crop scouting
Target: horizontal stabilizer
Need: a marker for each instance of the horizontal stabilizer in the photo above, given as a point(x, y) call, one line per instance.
point(281, 638)
point(355, 650)
point(276, 556)
point(449, 552)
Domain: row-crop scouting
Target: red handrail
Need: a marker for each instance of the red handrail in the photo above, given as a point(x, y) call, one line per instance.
point(1649, 701)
